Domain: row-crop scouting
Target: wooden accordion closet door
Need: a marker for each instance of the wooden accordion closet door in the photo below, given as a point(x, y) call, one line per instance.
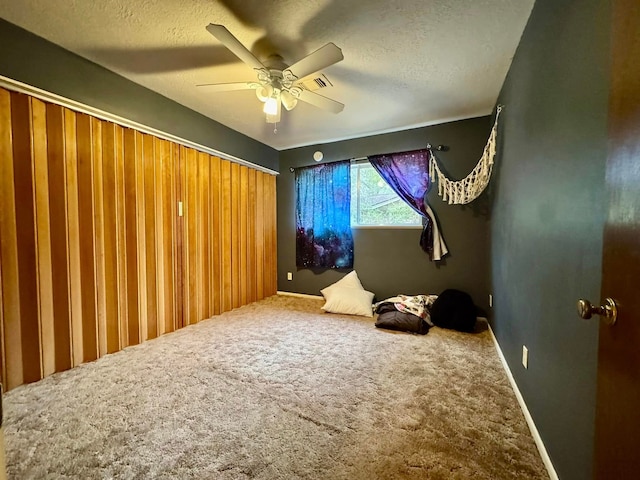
point(110, 237)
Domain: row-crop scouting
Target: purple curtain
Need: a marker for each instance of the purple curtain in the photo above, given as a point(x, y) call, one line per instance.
point(407, 173)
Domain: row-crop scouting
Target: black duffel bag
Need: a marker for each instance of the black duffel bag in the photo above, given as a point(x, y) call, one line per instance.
point(454, 309)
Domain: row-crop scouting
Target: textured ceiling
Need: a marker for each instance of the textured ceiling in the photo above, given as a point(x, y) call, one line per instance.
point(407, 63)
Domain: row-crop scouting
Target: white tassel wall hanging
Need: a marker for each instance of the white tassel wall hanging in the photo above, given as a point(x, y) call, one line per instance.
point(461, 192)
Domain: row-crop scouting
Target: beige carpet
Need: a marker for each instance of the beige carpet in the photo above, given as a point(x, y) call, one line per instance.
point(277, 390)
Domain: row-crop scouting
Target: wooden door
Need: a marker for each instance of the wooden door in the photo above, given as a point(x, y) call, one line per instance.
point(94, 255)
point(618, 398)
point(3, 463)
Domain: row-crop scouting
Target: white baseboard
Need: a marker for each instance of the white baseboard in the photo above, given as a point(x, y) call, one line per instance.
point(532, 426)
point(301, 295)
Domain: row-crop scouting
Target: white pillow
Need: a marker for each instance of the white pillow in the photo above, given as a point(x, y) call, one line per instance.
point(350, 280)
point(348, 300)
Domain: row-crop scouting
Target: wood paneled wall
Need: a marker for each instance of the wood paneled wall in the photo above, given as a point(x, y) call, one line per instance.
point(94, 256)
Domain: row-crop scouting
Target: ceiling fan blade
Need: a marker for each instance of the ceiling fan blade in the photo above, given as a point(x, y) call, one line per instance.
point(321, 102)
point(321, 58)
point(227, 87)
point(233, 44)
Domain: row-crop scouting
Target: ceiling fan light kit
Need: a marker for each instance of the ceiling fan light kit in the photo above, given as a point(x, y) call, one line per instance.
point(272, 107)
point(289, 101)
point(279, 85)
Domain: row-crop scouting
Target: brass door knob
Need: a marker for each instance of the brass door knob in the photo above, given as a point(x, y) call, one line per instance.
point(608, 311)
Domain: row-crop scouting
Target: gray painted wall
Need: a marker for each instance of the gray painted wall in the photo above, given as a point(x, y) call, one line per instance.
point(548, 200)
point(32, 60)
point(390, 261)
point(547, 220)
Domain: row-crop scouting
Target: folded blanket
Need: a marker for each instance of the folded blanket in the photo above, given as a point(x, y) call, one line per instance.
point(417, 305)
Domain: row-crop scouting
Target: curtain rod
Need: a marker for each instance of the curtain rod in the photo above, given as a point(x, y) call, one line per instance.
point(292, 169)
point(440, 148)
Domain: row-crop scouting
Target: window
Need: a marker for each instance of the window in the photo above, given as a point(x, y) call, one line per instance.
point(374, 203)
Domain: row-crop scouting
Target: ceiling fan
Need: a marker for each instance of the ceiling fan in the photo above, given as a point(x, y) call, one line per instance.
point(278, 83)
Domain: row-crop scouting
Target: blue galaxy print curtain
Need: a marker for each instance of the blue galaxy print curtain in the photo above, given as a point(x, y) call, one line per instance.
point(323, 216)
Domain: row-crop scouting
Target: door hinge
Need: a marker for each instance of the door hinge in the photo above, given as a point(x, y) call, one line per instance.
point(179, 209)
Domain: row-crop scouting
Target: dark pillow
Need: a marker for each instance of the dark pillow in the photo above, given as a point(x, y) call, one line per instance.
point(405, 322)
point(454, 309)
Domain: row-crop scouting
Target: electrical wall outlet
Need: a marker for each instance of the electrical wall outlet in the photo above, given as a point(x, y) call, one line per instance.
point(289, 276)
point(525, 356)
point(490, 300)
